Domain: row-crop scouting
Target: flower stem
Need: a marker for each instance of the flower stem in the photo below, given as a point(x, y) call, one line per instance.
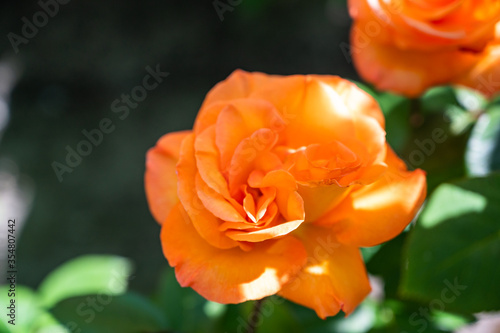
point(254, 318)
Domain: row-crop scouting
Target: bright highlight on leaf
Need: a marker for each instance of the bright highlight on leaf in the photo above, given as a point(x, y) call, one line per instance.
point(453, 252)
point(443, 205)
point(86, 275)
point(483, 150)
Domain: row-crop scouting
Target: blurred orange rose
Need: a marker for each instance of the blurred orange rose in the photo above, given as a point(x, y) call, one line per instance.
point(407, 46)
point(275, 189)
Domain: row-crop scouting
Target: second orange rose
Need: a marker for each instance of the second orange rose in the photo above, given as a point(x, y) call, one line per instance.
point(409, 46)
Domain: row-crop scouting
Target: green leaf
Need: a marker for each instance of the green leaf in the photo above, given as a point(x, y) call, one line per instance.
point(470, 99)
point(460, 119)
point(127, 313)
point(453, 253)
point(214, 310)
point(184, 308)
point(26, 309)
point(86, 275)
point(390, 103)
point(361, 320)
point(436, 150)
point(397, 112)
point(438, 99)
point(276, 316)
point(235, 318)
point(449, 321)
point(444, 205)
point(483, 148)
point(394, 316)
point(30, 316)
point(369, 252)
point(387, 264)
point(309, 322)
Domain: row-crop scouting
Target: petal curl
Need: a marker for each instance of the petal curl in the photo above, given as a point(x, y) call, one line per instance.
point(378, 212)
point(208, 162)
point(334, 277)
point(160, 179)
point(485, 75)
point(240, 84)
point(247, 116)
point(427, 25)
point(313, 108)
point(204, 221)
point(408, 72)
point(248, 153)
point(269, 232)
point(217, 205)
point(228, 276)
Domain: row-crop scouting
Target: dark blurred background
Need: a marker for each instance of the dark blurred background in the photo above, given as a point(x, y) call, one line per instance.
point(89, 54)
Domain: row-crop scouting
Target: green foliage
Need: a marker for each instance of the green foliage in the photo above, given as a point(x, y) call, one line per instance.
point(396, 316)
point(83, 276)
point(30, 315)
point(454, 250)
point(483, 149)
point(183, 307)
point(438, 99)
point(85, 295)
point(126, 313)
point(386, 264)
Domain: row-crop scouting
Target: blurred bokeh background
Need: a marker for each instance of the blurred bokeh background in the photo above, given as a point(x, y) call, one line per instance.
point(64, 79)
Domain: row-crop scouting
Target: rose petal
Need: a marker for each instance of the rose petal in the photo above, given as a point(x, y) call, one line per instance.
point(319, 199)
point(485, 75)
point(426, 26)
point(217, 205)
point(375, 213)
point(408, 72)
point(248, 116)
point(334, 277)
point(207, 161)
point(323, 115)
point(290, 205)
point(276, 178)
point(246, 154)
point(228, 276)
point(269, 232)
point(160, 179)
point(238, 85)
point(204, 221)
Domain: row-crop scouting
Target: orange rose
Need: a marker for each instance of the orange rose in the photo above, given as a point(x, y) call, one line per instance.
point(407, 46)
point(279, 183)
